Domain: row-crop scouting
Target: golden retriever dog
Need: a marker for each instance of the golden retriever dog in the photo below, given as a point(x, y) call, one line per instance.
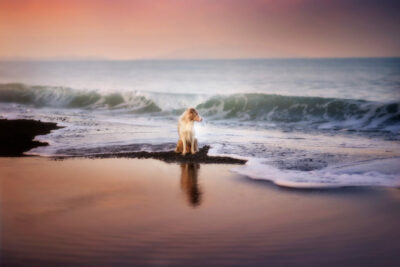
point(187, 141)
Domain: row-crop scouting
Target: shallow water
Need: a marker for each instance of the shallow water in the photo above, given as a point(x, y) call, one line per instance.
point(140, 212)
point(305, 121)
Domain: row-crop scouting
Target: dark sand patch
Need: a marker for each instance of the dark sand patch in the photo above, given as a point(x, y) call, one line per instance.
point(16, 136)
point(169, 156)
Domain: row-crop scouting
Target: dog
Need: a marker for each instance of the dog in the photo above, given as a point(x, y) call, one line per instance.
point(187, 141)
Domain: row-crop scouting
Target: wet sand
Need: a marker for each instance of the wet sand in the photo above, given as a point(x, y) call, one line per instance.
point(142, 212)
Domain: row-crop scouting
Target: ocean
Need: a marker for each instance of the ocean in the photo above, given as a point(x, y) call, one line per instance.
point(300, 123)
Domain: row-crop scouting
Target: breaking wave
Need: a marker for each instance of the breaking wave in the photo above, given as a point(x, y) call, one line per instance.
point(322, 113)
point(62, 97)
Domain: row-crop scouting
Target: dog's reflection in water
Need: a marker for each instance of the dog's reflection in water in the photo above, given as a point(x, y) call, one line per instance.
point(189, 185)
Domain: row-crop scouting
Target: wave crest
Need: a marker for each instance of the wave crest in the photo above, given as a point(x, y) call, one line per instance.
point(324, 112)
point(62, 97)
point(316, 112)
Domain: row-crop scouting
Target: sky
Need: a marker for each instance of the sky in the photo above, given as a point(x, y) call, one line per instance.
point(204, 29)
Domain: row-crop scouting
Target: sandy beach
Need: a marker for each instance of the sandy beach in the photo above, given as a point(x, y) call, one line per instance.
point(143, 211)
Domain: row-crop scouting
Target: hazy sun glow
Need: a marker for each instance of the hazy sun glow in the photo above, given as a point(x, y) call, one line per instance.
point(123, 29)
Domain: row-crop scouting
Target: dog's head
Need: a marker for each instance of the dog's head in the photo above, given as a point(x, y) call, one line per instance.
point(193, 115)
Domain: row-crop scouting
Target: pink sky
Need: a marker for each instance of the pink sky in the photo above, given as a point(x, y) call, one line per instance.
point(137, 29)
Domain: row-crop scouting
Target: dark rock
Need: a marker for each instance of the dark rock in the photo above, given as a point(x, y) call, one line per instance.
point(16, 136)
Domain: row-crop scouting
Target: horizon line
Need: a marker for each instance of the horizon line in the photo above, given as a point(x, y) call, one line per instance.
point(94, 59)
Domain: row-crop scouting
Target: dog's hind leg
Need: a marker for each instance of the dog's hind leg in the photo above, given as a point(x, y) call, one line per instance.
point(178, 148)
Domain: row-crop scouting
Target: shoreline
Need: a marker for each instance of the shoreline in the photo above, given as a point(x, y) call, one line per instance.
point(17, 137)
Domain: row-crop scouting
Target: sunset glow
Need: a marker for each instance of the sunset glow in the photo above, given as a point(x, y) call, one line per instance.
point(122, 29)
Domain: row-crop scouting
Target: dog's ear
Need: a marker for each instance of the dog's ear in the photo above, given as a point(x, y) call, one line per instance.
point(191, 113)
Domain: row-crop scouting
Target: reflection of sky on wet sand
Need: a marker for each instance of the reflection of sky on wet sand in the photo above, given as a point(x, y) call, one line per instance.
point(124, 211)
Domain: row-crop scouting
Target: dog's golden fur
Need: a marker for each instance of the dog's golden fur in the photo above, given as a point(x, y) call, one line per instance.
point(187, 141)
point(179, 146)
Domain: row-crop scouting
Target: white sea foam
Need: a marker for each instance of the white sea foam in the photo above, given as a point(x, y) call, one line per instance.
point(379, 172)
